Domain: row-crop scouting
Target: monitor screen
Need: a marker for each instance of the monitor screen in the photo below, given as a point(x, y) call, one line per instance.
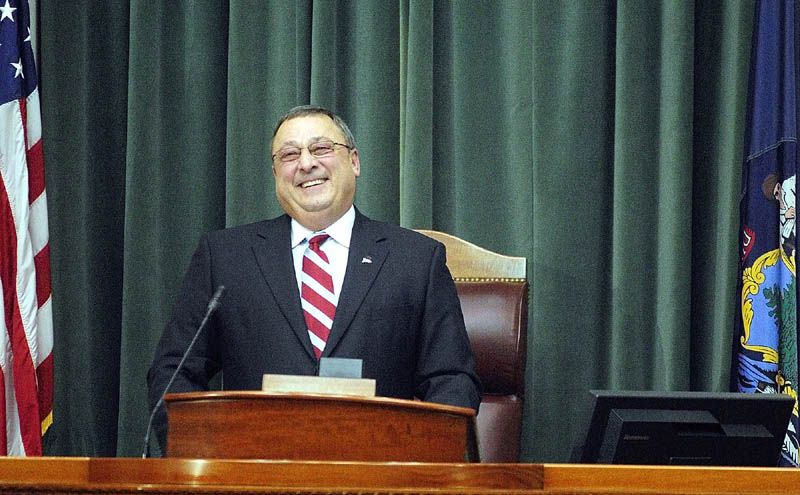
point(684, 428)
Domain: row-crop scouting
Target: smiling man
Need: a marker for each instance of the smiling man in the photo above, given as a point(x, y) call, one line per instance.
point(318, 187)
point(323, 280)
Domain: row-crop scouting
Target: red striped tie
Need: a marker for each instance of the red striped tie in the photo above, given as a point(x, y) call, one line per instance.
point(316, 293)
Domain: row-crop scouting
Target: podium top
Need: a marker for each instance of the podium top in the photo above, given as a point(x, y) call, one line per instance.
point(375, 401)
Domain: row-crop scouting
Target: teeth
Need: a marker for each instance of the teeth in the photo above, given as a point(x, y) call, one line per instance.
point(312, 183)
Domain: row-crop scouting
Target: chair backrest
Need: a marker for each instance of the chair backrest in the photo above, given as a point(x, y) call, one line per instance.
point(493, 290)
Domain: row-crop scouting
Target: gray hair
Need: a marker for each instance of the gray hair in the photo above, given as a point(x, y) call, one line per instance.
point(303, 110)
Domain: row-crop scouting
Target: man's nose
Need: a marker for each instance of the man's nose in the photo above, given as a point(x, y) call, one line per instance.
point(307, 160)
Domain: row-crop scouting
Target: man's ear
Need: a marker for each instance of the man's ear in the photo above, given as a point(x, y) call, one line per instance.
point(355, 163)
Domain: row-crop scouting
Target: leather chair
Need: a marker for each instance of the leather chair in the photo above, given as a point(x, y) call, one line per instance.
point(493, 290)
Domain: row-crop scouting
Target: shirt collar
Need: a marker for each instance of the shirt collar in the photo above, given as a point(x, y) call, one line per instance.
point(340, 231)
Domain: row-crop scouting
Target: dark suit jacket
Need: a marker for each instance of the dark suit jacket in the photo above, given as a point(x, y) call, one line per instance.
point(399, 313)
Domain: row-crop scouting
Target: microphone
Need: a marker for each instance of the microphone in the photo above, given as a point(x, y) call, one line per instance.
point(213, 304)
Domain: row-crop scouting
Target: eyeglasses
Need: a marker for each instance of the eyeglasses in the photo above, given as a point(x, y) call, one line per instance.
point(319, 149)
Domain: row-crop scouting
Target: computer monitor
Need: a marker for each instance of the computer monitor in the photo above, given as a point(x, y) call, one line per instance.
point(684, 428)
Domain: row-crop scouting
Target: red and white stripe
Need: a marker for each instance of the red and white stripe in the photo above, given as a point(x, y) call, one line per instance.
point(26, 328)
point(316, 294)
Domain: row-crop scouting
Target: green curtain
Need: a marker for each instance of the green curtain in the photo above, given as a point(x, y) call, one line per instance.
point(602, 140)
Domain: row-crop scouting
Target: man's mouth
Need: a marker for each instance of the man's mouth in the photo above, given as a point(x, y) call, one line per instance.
point(310, 183)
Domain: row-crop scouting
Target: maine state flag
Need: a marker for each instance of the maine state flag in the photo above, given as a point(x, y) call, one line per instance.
point(765, 360)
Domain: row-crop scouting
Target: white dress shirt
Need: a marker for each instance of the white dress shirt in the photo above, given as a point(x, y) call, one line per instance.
point(336, 247)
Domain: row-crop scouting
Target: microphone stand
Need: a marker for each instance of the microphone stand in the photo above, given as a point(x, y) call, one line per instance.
point(212, 306)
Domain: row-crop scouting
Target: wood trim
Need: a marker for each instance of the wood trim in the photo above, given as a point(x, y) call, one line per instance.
point(73, 475)
point(668, 480)
point(179, 476)
point(467, 261)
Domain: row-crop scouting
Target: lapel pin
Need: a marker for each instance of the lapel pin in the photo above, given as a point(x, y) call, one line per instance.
point(366, 259)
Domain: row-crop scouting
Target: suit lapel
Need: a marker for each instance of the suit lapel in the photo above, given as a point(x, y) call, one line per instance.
point(273, 252)
point(364, 260)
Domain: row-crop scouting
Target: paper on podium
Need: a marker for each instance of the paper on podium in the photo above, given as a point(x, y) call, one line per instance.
point(301, 384)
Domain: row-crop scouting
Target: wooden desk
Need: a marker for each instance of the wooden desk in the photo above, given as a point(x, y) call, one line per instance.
point(50, 475)
point(629, 480)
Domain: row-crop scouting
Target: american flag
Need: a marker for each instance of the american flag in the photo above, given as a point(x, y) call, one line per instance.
point(26, 325)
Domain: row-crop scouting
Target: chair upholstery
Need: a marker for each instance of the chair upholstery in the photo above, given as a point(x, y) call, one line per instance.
point(493, 290)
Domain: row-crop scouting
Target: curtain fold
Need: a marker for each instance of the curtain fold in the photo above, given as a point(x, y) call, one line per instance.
point(84, 101)
point(572, 243)
point(720, 101)
point(600, 140)
point(416, 113)
point(652, 176)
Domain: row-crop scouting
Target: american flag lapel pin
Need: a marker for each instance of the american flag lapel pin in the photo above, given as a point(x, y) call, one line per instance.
point(366, 259)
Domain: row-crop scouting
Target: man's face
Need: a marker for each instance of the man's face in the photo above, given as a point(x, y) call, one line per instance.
point(776, 191)
point(314, 191)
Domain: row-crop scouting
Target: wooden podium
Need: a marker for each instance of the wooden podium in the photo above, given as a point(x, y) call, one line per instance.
point(315, 427)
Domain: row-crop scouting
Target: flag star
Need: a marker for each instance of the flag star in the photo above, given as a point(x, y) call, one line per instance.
point(29, 35)
point(6, 10)
point(18, 67)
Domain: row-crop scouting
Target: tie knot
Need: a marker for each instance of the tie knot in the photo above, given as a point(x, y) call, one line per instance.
point(317, 240)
